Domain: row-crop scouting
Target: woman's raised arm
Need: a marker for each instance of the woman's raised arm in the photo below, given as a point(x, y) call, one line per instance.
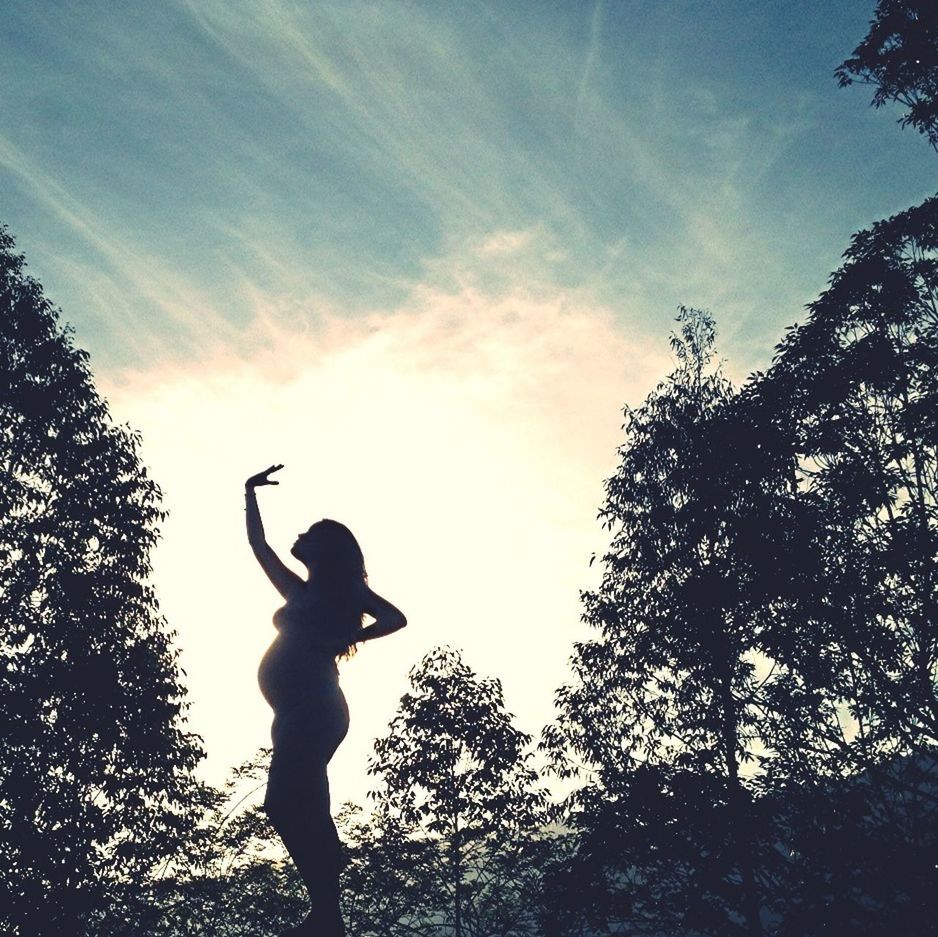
point(284, 579)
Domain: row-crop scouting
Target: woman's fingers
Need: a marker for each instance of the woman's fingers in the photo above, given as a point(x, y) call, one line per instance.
point(273, 468)
point(263, 478)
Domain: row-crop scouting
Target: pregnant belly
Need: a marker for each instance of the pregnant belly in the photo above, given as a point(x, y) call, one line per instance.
point(291, 673)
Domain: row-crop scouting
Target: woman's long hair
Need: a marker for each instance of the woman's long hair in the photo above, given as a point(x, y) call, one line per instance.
point(340, 577)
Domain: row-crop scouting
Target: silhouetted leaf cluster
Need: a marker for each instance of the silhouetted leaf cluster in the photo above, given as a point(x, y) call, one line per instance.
point(455, 841)
point(230, 876)
point(899, 56)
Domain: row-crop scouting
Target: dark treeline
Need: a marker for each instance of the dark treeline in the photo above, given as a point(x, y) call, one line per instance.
point(747, 743)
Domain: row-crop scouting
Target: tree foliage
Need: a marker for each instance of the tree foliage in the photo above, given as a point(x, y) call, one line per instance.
point(899, 56)
point(458, 811)
point(454, 842)
point(854, 390)
point(858, 390)
point(752, 723)
point(230, 875)
point(94, 759)
point(665, 716)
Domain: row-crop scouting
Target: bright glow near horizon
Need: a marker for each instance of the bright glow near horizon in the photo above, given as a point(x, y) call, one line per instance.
point(464, 438)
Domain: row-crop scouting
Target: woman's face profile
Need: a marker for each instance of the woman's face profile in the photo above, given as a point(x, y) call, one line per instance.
point(308, 545)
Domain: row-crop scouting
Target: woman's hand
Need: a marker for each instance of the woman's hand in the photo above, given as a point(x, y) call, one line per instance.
point(262, 478)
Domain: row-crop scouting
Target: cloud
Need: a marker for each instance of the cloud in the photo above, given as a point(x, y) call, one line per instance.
point(505, 242)
point(219, 151)
point(592, 52)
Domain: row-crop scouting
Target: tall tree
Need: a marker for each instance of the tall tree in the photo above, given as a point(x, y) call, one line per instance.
point(94, 759)
point(665, 716)
point(457, 789)
point(855, 391)
point(899, 57)
point(856, 386)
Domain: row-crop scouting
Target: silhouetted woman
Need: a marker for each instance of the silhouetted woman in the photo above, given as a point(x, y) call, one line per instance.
point(321, 620)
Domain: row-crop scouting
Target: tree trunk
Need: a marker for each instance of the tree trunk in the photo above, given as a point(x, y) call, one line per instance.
point(457, 885)
point(738, 813)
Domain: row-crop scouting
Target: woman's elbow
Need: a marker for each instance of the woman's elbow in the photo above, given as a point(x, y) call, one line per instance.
point(400, 621)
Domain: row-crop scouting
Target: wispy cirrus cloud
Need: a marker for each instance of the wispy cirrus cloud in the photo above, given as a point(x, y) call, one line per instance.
point(227, 149)
point(125, 275)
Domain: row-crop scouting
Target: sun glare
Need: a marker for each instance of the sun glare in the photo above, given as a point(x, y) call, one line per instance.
point(464, 477)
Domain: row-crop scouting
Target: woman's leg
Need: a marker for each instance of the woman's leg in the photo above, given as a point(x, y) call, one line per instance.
point(303, 822)
point(298, 805)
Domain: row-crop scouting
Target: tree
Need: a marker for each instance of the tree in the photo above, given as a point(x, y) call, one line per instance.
point(230, 875)
point(95, 762)
point(665, 716)
point(753, 723)
point(899, 56)
point(455, 842)
point(858, 389)
point(457, 810)
point(854, 390)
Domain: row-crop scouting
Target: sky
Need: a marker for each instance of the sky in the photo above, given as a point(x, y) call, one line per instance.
point(422, 253)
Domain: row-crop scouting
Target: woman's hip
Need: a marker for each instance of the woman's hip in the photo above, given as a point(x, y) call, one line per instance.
point(312, 728)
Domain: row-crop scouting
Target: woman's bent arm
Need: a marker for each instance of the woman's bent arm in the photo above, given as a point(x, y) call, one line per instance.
point(388, 618)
